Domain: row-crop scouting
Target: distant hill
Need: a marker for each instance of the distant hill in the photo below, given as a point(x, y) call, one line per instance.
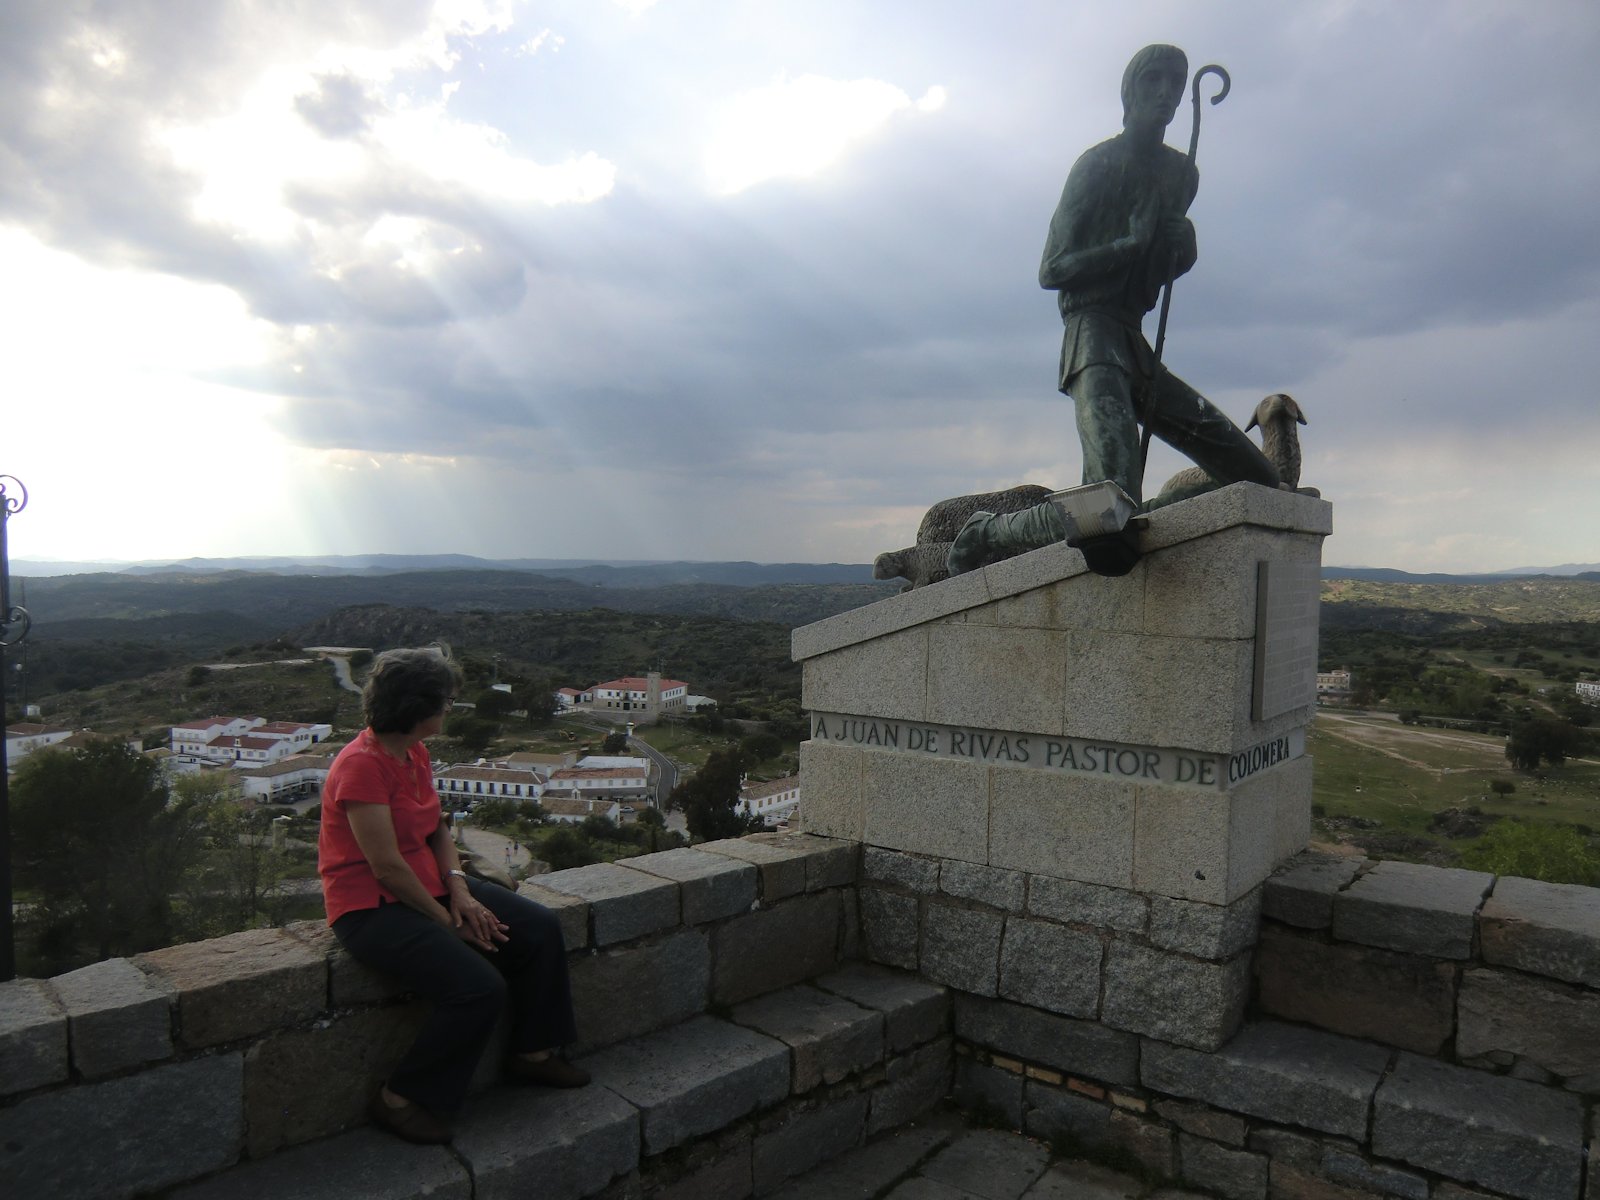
point(1421, 607)
point(1390, 575)
point(605, 572)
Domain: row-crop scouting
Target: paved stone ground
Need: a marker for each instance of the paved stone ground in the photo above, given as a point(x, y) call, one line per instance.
point(941, 1158)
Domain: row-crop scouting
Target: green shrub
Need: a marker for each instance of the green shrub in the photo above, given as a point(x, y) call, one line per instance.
point(1552, 853)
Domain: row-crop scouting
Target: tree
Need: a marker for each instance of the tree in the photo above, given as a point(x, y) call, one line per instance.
point(95, 841)
point(615, 743)
point(565, 848)
point(1543, 738)
point(598, 828)
point(473, 734)
point(494, 704)
point(709, 798)
point(237, 881)
point(759, 747)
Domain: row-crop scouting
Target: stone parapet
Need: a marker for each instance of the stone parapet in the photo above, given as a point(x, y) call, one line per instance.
point(249, 1045)
point(1492, 974)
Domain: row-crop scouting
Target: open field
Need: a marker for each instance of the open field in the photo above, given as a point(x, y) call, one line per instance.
point(1400, 776)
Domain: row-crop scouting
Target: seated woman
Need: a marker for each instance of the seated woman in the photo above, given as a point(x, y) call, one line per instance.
point(399, 902)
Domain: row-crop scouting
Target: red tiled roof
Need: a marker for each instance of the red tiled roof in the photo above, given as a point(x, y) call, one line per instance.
point(760, 791)
point(30, 729)
point(598, 773)
point(633, 683)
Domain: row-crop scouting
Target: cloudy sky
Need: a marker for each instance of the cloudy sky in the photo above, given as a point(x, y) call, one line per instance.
point(719, 279)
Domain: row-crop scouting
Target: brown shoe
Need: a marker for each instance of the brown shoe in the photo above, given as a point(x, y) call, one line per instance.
point(412, 1122)
point(554, 1071)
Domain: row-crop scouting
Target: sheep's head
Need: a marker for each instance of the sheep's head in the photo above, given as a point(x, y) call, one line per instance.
point(889, 565)
point(1276, 407)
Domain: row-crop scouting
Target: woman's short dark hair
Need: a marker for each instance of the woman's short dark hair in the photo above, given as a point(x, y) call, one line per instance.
point(406, 687)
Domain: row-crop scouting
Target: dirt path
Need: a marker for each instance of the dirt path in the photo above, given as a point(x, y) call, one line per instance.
point(1382, 739)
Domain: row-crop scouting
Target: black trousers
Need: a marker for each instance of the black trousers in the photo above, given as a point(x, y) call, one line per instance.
point(468, 986)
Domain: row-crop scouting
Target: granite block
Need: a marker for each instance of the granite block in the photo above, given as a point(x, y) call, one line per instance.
point(349, 982)
point(693, 1078)
point(1051, 967)
point(869, 1170)
point(961, 947)
point(1526, 1140)
point(1301, 892)
point(631, 990)
point(914, 1011)
point(1152, 1145)
point(1057, 1115)
point(1278, 1072)
point(1545, 928)
point(994, 677)
point(33, 1036)
point(571, 911)
point(623, 904)
point(1214, 931)
point(780, 868)
point(1403, 1000)
point(1083, 601)
point(983, 885)
point(1236, 1174)
point(1207, 588)
point(240, 985)
point(99, 1139)
point(1062, 827)
point(948, 598)
point(1091, 904)
point(1348, 1167)
point(117, 1017)
point(712, 886)
point(556, 1145)
point(890, 928)
point(1159, 691)
point(795, 940)
point(1172, 998)
point(1083, 1048)
point(1182, 844)
point(363, 1162)
point(988, 1162)
point(1405, 906)
point(883, 677)
point(908, 871)
point(830, 861)
point(937, 807)
point(912, 1084)
point(1553, 1026)
point(1204, 1121)
point(829, 1038)
point(830, 781)
point(348, 1057)
point(806, 1137)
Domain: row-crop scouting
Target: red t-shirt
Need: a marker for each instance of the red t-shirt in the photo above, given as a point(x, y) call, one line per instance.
point(365, 773)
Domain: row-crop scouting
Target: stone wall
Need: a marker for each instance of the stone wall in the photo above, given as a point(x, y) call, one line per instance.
point(1411, 1031)
point(134, 1075)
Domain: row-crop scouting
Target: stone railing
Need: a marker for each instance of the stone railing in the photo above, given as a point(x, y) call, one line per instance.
point(132, 1076)
point(1348, 1029)
point(1445, 1027)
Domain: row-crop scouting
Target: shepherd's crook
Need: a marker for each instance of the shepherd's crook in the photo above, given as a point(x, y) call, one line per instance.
point(1166, 292)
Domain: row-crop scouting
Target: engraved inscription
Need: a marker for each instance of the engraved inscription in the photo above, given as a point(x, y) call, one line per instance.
point(1144, 764)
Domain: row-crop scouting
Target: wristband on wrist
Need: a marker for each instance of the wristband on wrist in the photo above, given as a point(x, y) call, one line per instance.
point(458, 874)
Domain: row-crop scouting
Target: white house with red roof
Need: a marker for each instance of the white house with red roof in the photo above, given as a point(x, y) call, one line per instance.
point(248, 741)
point(773, 801)
point(632, 693)
point(23, 738)
point(466, 783)
point(594, 783)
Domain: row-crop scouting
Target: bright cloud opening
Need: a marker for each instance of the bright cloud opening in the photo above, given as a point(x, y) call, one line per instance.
point(795, 128)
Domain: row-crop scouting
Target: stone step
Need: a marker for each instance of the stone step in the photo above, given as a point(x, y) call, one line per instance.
point(1525, 1140)
point(768, 1074)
